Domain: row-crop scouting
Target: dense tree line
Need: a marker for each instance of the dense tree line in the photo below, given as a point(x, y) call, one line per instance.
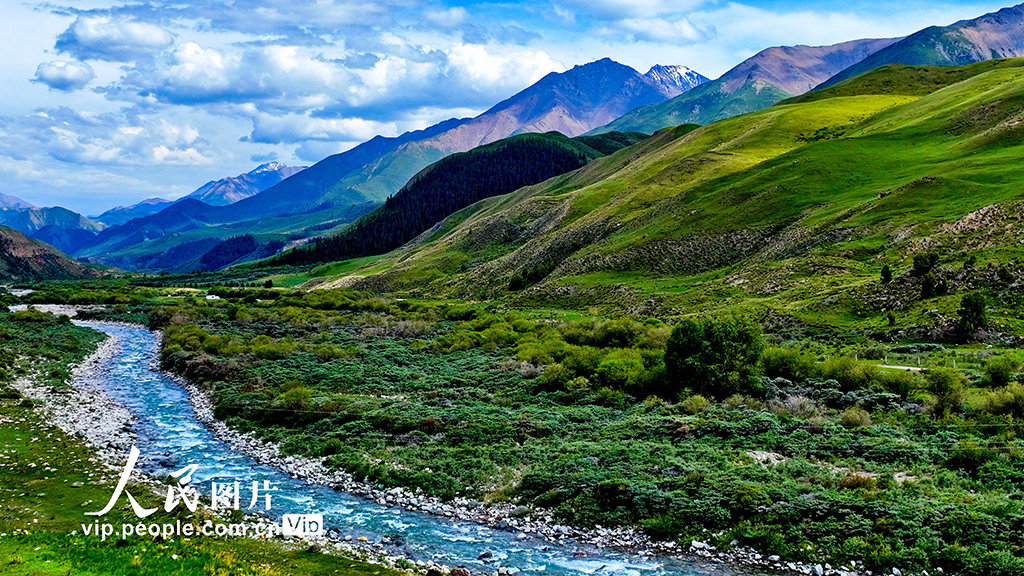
point(450, 185)
point(228, 251)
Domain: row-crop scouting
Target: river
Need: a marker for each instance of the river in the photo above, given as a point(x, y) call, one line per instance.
point(169, 434)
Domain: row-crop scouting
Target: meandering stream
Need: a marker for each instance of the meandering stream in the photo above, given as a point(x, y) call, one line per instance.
point(170, 434)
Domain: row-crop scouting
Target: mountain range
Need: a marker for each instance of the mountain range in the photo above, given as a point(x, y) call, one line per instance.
point(214, 193)
point(58, 226)
point(996, 35)
point(767, 77)
point(779, 73)
point(13, 202)
point(765, 212)
point(572, 103)
point(342, 187)
point(282, 206)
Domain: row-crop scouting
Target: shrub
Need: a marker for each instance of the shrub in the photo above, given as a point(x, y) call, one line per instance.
point(948, 387)
point(555, 376)
point(925, 262)
point(715, 357)
point(582, 360)
point(577, 385)
point(296, 398)
point(929, 286)
point(620, 369)
point(695, 404)
point(332, 446)
point(886, 274)
point(739, 402)
point(857, 481)
point(788, 363)
point(969, 456)
point(850, 373)
point(972, 314)
point(794, 405)
point(1001, 370)
point(1006, 400)
point(609, 397)
point(855, 418)
point(903, 383)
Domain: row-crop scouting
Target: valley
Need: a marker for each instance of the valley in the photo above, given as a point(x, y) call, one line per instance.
point(636, 324)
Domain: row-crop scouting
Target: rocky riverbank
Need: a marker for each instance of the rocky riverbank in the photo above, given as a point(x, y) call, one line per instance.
point(84, 409)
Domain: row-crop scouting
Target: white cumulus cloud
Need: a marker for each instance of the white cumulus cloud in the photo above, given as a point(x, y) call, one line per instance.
point(63, 75)
point(114, 39)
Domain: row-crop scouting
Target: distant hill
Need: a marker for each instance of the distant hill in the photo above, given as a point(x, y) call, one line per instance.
point(767, 77)
point(214, 193)
point(455, 182)
point(25, 259)
point(121, 214)
point(13, 202)
point(61, 227)
point(996, 35)
point(572, 103)
point(230, 190)
point(904, 79)
point(304, 191)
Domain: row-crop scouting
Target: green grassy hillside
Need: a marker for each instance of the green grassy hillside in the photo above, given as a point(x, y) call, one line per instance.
point(790, 212)
point(701, 105)
point(456, 182)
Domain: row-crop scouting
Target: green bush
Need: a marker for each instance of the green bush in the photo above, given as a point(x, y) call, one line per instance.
point(969, 456)
point(715, 357)
point(297, 398)
point(948, 387)
point(610, 397)
point(1001, 370)
point(620, 369)
point(695, 404)
point(851, 374)
point(855, 418)
point(925, 262)
point(332, 446)
point(789, 363)
point(929, 286)
point(1006, 400)
point(972, 314)
point(903, 383)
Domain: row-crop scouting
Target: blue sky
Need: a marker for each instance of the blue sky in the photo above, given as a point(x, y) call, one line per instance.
point(109, 102)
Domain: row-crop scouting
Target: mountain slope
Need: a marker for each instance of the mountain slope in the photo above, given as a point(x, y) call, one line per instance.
point(455, 182)
point(772, 212)
point(13, 202)
point(304, 191)
point(120, 214)
point(996, 35)
point(767, 77)
point(55, 225)
point(214, 193)
point(572, 103)
point(25, 259)
point(230, 190)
